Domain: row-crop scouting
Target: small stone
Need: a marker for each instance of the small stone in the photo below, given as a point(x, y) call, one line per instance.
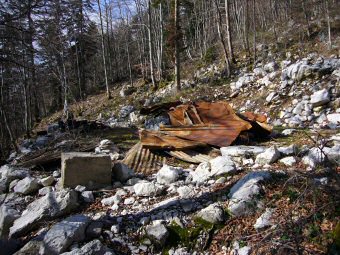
point(80, 188)
point(157, 232)
point(186, 191)
point(221, 180)
point(320, 97)
point(27, 186)
point(129, 201)
point(146, 189)
point(265, 220)
point(122, 172)
point(269, 156)
point(115, 229)
point(48, 181)
point(288, 161)
point(222, 165)
point(87, 196)
point(214, 213)
point(56, 174)
point(43, 191)
point(116, 199)
point(168, 174)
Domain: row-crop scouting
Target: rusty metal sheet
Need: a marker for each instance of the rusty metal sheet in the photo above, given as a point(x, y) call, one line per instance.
point(144, 160)
point(215, 135)
point(161, 140)
point(220, 113)
point(255, 117)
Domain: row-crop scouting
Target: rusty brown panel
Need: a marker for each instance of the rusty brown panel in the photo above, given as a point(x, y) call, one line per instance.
point(215, 135)
point(255, 117)
point(220, 113)
point(194, 115)
point(160, 140)
point(177, 115)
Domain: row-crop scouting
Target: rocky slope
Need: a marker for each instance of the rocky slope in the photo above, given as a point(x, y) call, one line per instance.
point(280, 196)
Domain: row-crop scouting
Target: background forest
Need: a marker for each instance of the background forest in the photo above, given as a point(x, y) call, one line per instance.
point(53, 53)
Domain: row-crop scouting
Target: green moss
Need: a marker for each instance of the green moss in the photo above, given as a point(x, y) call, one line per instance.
point(187, 237)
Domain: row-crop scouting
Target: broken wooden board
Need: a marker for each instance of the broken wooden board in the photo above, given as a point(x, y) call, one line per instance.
point(190, 156)
point(45, 157)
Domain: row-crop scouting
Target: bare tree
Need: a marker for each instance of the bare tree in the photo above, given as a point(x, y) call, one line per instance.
point(103, 51)
point(177, 46)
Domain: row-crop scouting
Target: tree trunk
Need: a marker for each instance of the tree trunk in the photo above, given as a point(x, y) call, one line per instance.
point(152, 72)
point(103, 51)
point(230, 44)
point(254, 30)
point(177, 50)
point(329, 26)
point(219, 25)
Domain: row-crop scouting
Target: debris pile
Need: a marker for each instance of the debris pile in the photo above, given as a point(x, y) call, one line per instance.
point(194, 126)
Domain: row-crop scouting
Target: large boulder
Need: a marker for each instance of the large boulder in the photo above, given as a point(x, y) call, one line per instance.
point(8, 174)
point(64, 233)
point(244, 194)
point(86, 169)
point(7, 216)
point(122, 172)
point(214, 213)
point(168, 174)
point(27, 186)
point(51, 206)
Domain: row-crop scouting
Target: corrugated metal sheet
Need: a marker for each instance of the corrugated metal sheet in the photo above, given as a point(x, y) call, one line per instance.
point(144, 160)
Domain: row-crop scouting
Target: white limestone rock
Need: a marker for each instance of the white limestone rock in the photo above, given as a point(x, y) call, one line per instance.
point(64, 233)
point(214, 214)
point(269, 156)
point(168, 174)
point(320, 97)
point(243, 195)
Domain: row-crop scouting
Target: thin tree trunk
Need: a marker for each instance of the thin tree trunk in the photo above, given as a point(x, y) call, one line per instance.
point(4, 114)
point(230, 44)
point(177, 50)
point(219, 24)
point(254, 28)
point(329, 26)
point(152, 72)
point(103, 51)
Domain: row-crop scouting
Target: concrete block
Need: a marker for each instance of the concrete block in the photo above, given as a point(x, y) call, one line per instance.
point(86, 169)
